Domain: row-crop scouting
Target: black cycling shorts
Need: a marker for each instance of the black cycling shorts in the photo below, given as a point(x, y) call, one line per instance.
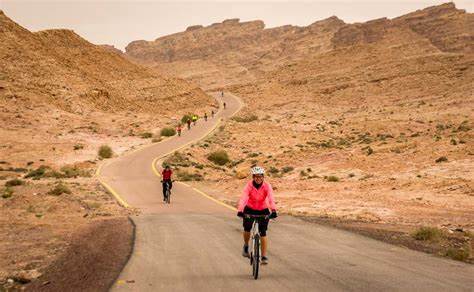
point(262, 224)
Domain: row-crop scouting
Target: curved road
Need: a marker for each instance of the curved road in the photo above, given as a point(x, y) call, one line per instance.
point(195, 244)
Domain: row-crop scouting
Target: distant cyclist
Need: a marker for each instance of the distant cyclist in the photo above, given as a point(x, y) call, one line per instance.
point(179, 129)
point(256, 198)
point(205, 117)
point(224, 105)
point(212, 113)
point(166, 180)
point(195, 118)
point(188, 122)
point(222, 93)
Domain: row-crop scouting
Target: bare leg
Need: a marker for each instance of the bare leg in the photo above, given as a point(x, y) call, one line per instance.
point(246, 238)
point(264, 245)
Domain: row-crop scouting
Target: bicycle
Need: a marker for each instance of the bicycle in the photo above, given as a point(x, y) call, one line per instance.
point(167, 193)
point(255, 244)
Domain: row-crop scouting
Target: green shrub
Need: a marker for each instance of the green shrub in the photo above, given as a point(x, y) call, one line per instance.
point(7, 193)
point(73, 171)
point(459, 254)
point(105, 152)
point(184, 175)
point(287, 169)
point(14, 182)
point(168, 132)
point(273, 170)
point(427, 233)
point(245, 119)
point(59, 189)
point(78, 147)
point(332, 178)
point(185, 118)
point(441, 159)
point(37, 173)
point(146, 135)
point(177, 159)
point(219, 157)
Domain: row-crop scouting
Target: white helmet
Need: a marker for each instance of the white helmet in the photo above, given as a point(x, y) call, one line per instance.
point(257, 170)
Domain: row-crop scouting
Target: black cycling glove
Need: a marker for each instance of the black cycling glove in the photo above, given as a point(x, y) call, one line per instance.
point(240, 214)
point(273, 215)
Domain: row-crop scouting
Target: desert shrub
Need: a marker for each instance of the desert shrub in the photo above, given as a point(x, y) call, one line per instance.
point(185, 118)
point(459, 254)
point(105, 151)
point(253, 154)
point(73, 171)
point(37, 173)
point(273, 170)
point(168, 132)
point(146, 135)
point(427, 233)
point(78, 147)
point(441, 159)
point(59, 189)
point(332, 178)
point(463, 127)
point(286, 169)
point(176, 159)
point(303, 173)
point(245, 119)
point(14, 182)
point(369, 151)
point(219, 157)
point(7, 193)
point(184, 175)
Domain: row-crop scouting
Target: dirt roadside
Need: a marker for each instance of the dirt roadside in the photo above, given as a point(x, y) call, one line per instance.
point(94, 259)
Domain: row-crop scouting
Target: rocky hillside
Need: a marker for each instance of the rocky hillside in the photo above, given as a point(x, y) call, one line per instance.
point(61, 68)
point(232, 52)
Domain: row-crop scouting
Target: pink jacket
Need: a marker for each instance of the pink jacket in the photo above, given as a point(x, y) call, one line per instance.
point(257, 199)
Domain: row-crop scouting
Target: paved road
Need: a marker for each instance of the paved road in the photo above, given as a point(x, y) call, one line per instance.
point(194, 244)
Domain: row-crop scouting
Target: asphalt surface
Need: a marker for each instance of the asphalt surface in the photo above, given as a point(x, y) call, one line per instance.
point(194, 244)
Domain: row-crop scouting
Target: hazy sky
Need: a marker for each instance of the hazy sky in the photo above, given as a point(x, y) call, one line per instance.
point(118, 22)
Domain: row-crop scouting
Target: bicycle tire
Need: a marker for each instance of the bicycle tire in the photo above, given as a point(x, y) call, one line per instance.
point(168, 196)
point(256, 257)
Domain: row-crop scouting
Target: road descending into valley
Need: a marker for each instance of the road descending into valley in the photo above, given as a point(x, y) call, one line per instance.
point(194, 244)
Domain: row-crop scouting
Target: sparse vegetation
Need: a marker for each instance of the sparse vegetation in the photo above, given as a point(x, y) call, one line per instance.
point(441, 159)
point(37, 173)
point(168, 132)
point(459, 254)
point(14, 182)
point(78, 147)
point(287, 169)
point(105, 152)
point(146, 135)
point(177, 159)
point(185, 118)
point(428, 233)
point(7, 192)
point(332, 178)
point(246, 118)
point(184, 175)
point(219, 157)
point(59, 189)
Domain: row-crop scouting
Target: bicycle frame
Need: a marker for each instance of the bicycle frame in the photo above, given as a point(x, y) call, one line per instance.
point(255, 244)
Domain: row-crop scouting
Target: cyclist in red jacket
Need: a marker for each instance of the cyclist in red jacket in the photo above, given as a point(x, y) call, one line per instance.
point(166, 180)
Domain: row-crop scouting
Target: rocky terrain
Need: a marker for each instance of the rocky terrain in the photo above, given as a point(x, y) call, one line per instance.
point(365, 123)
point(61, 98)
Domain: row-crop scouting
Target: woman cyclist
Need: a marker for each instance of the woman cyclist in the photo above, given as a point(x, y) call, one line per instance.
point(256, 198)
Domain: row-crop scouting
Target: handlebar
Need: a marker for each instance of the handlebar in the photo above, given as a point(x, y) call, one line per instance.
point(257, 216)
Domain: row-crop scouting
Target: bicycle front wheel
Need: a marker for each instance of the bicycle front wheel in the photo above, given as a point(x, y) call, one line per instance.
point(256, 257)
point(168, 196)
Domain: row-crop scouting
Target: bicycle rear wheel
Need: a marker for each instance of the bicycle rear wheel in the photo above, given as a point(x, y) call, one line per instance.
point(256, 257)
point(168, 196)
